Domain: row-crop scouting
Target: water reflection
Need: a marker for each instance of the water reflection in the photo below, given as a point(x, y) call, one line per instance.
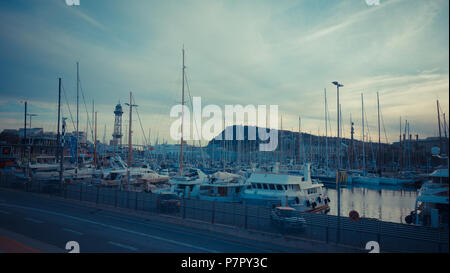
point(387, 203)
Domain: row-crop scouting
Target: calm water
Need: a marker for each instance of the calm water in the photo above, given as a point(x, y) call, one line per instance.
point(387, 204)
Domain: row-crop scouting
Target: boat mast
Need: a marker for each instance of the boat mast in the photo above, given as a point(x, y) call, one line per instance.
point(281, 142)
point(182, 117)
point(78, 134)
point(363, 136)
point(379, 136)
point(58, 136)
point(439, 123)
point(130, 143)
point(95, 141)
point(326, 129)
point(299, 140)
point(445, 136)
point(352, 132)
point(129, 132)
point(409, 148)
point(400, 153)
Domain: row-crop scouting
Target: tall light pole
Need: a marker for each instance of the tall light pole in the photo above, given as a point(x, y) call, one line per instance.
point(338, 176)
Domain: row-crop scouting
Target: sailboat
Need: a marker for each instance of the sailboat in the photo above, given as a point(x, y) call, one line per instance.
point(187, 183)
point(376, 179)
point(364, 177)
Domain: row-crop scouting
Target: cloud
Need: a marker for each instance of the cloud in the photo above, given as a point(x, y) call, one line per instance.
point(236, 53)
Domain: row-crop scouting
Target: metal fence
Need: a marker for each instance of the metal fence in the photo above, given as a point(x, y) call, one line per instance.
point(392, 237)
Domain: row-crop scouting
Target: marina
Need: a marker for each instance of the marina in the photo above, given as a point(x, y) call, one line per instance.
point(228, 137)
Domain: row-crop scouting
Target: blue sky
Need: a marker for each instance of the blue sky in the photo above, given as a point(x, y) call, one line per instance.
point(237, 52)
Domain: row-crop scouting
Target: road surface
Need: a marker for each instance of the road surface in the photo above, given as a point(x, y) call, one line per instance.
point(34, 223)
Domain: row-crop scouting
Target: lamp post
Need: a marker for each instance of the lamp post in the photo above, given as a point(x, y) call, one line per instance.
point(338, 176)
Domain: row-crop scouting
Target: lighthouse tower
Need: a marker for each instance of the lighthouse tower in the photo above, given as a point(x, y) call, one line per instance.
point(117, 135)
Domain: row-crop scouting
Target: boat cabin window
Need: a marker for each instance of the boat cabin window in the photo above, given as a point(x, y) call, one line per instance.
point(279, 187)
point(440, 180)
point(296, 187)
point(311, 191)
point(265, 186)
point(259, 186)
point(272, 186)
point(223, 191)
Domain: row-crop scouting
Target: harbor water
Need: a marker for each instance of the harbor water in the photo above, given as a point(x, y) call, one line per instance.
point(389, 204)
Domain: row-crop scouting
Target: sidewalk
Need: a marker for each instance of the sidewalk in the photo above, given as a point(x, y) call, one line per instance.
point(11, 242)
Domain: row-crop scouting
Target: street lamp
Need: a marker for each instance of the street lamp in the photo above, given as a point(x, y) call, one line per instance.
point(338, 128)
point(338, 176)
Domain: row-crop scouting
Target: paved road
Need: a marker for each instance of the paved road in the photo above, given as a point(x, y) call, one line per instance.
point(55, 222)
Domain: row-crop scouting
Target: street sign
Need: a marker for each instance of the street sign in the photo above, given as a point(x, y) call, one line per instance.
point(353, 215)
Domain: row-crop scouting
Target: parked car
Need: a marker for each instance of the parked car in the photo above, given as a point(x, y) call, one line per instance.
point(286, 218)
point(168, 202)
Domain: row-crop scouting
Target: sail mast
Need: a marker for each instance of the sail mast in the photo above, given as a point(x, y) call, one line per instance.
point(58, 136)
point(78, 134)
point(439, 123)
point(95, 141)
point(281, 138)
point(326, 129)
point(379, 136)
point(363, 136)
point(299, 140)
point(182, 117)
point(400, 153)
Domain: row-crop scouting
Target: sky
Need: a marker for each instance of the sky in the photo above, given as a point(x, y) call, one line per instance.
point(257, 52)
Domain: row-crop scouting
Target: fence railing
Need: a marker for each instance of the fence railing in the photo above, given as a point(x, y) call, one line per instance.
point(391, 237)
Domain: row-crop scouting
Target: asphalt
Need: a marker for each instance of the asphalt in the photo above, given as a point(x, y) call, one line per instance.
point(51, 223)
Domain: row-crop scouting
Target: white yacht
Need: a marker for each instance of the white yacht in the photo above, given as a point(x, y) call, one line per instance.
point(223, 187)
point(299, 192)
point(188, 184)
point(431, 207)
